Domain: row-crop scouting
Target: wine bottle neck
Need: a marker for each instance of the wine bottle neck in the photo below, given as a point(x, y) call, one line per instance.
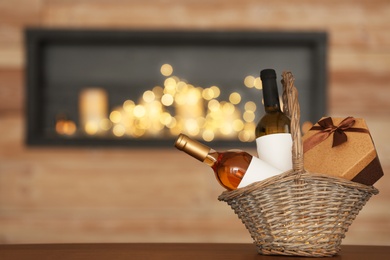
point(270, 95)
point(272, 109)
point(192, 147)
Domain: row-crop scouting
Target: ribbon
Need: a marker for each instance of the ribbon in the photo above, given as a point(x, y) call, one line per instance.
point(327, 127)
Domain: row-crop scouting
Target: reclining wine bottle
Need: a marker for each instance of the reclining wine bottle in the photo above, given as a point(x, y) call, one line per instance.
point(233, 168)
point(273, 138)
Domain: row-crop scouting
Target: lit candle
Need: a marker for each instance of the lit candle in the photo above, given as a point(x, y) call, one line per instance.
point(64, 126)
point(93, 108)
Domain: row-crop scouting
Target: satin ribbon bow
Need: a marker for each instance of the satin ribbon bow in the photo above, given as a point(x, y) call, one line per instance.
point(327, 127)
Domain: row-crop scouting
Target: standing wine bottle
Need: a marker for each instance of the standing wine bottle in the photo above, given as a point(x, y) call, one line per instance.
point(273, 138)
point(233, 169)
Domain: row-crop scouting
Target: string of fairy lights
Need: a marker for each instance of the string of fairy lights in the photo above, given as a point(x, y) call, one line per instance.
point(174, 107)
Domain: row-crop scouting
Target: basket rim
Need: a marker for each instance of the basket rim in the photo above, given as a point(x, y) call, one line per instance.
point(293, 175)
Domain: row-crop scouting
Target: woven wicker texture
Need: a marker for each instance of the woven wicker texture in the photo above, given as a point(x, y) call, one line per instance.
point(298, 213)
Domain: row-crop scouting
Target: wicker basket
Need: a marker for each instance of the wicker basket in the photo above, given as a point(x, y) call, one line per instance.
point(298, 213)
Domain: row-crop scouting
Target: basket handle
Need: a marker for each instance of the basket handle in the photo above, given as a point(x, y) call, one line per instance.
point(291, 109)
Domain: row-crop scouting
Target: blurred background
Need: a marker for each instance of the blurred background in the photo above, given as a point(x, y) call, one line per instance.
point(54, 194)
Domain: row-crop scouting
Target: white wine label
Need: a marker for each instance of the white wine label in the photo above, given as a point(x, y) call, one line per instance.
point(276, 149)
point(258, 171)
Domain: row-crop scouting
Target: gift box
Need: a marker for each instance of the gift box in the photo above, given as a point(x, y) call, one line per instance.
point(342, 147)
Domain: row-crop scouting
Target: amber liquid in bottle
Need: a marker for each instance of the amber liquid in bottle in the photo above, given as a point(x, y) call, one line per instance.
point(229, 167)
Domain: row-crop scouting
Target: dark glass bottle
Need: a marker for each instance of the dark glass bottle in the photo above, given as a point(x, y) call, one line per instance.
point(273, 138)
point(274, 121)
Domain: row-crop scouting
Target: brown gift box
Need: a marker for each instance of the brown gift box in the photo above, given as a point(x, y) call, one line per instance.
point(342, 147)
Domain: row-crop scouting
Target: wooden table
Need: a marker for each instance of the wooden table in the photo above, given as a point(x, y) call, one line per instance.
point(169, 251)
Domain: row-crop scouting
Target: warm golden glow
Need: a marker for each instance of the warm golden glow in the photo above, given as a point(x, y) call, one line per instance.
point(139, 111)
point(167, 100)
point(128, 106)
point(105, 124)
point(228, 108)
point(208, 135)
point(238, 125)
point(213, 105)
point(91, 127)
point(226, 128)
point(249, 116)
point(216, 91)
point(115, 116)
point(175, 107)
point(249, 81)
point(248, 133)
point(148, 96)
point(166, 118)
point(65, 127)
point(235, 98)
point(172, 123)
point(192, 126)
point(166, 70)
point(170, 86)
point(158, 91)
point(208, 94)
point(181, 86)
point(244, 136)
point(250, 106)
point(193, 96)
point(257, 83)
point(119, 130)
point(93, 107)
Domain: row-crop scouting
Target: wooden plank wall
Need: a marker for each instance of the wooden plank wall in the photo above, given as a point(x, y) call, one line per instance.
point(160, 195)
